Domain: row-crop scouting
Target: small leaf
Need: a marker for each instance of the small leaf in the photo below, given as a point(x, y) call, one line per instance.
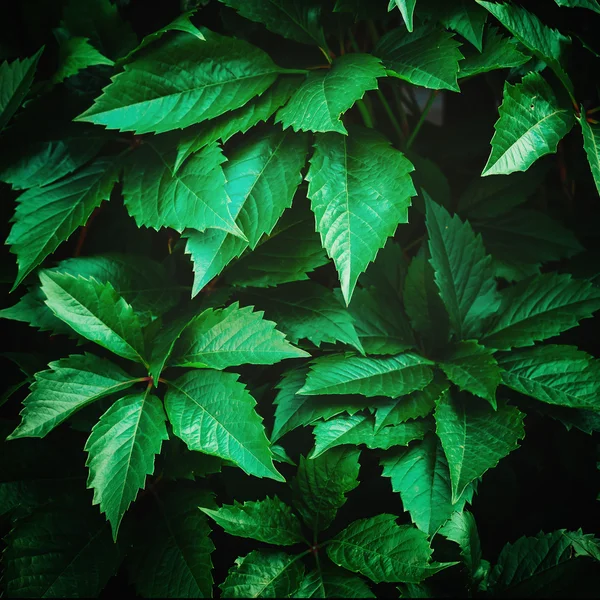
point(212, 412)
point(333, 582)
point(407, 9)
point(74, 55)
point(466, 18)
point(330, 93)
point(589, 4)
point(269, 520)
point(461, 529)
point(475, 437)
point(321, 485)
point(360, 190)
point(531, 124)
point(121, 451)
point(591, 143)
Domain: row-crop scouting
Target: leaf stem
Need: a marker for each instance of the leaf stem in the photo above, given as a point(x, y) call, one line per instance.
point(421, 120)
point(365, 114)
point(391, 117)
point(325, 54)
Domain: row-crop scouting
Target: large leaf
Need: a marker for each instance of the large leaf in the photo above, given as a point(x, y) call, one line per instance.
point(463, 271)
point(15, 80)
point(360, 429)
point(299, 20)
point(47, 216)
point(307, 311)
point(427, 57)
point(171, 555)
point(263, 575)
point(269, 520)
point(227, 337)
point(474, 369)
point(121, 451)
point(591, 143)
point(69, 385)
point(60, 551)
point(547, 44)
point(183, 81)
point(333, 582)
point(96, 312)
point(545, 564)
point(407, 9)
point(330, 93)
point(321, 485)
point(390, 376)
point(384, 551)
point(555, 374)
point(475, 437)
point(360, 190)
point(194, 197)
point(531, 124)
point(211, 411)
point(538, 308)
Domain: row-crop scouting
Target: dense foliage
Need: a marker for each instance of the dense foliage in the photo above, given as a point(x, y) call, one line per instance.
point(295, 329)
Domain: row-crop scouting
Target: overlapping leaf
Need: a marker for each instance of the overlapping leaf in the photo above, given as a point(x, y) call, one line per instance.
point(591, 143)
point(407, 9)
point(74, 55)
point(333, 583)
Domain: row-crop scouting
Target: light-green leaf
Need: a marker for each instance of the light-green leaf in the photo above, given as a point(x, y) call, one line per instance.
point(269, 520)
point(474, 369)
point(360, 190)
point(183, 81)
point(70, 384)
point(321, 485)
point(555, 374)
point(538, 308)
point(263, 575)
point(591, 143)
point(211, 411)
point(46, 216)
point(384, 551)
point(531, 124)
point(407, 9)
point(427, 57)
point(232, 336)
point(320, 101)
point(463, 271)
point(389, 376)
point(96, 312)
point(121, 451)
point(475, 437)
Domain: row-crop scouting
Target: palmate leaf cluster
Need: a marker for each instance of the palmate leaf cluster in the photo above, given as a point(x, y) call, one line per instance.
point(260, 292)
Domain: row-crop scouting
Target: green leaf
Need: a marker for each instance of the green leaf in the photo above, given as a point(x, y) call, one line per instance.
point(96, 312)
point(555, 374)
point(428, 57)
point(463, 271)
point(171, 555)
point(415, 405)
point(60, 551)
point(74, 55)
point(331, 92)
point(461, 529)
point(333, 583)
point(232, 336)
point(16, 79)
point(390, 376)
point(307, 311)
point(591, 143)
point(420, 475)
point(263, 575)
point(466, 18)
point(384, 551)
point(322, 483)
point(194, 197)
point(387, 273)
point(547, 44)
point(121, 450)
point(531, 124)
point(538, 308)
point(182, 81)
point(407, 9)
point(45, 162)
point(269, 520)
point(211, 411)
point(475, 437)
point(47, 216)
point(474, 369)
point(298, 20)
point(589, 4)
point(69, 385)
point(360, 190)
point(544, 564)
point(497, 53)
point(360, 429)
point(293, 410)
